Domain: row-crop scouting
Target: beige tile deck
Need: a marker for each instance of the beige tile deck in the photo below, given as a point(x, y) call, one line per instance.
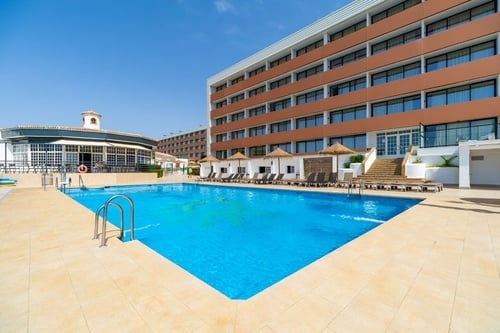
point(434, 268)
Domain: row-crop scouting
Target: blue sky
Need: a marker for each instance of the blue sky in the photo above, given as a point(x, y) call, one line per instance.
point(141, 64)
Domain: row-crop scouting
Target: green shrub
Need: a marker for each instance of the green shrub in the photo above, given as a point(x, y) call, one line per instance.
point(356, 158)
point(151, 168)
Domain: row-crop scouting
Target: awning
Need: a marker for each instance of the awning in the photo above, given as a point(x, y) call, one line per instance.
point(123, 145)
point(80, 143)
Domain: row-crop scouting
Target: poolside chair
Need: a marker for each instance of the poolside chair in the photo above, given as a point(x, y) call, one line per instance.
point(347, 181)
point(262, 180)
point(278, 179)
point(208, 177)
point(319, 181)
point(436, 187)
point(250, 179)
point(270, 179)
point(332, 179)
point(310, 179)
point(228, 178)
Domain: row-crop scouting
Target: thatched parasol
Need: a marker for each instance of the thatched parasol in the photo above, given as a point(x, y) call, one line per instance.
point(238, 156)
point(210, 159)
point(279, 153)
point(337, 149)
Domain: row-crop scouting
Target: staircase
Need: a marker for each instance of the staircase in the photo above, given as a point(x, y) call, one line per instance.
point(387, 169)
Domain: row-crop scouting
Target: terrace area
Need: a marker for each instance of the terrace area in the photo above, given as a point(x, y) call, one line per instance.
point(433, 268)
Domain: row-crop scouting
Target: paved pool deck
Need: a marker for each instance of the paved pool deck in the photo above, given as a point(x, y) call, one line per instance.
point(433, 268)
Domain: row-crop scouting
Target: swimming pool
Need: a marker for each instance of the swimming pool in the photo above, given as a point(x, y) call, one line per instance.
point(240, 240)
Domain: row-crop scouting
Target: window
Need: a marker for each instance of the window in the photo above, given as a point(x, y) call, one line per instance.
point(287, 146)
point(221, 87)
point(280, 61)
point(311, 121)
point(280, 83)
point(256, 91)
point(350, 57)
point(220, 121)
point(348, 114)
point(309, 97)
point(394, 10)
point(257, 111)
point(280, 105)
point(348, 30)
point(352, 141)
point(237, 98)
point(310, 146)
point(238, 79)
point(257, 71)
point(257, 151)
point(264, 169)
point(397, 73)
point(283, 126)
point(221, 137)
point(346, 87)
point(220, 104)
point(462, 17)
point(221, 154)
point(464, 55)
point(237, 134)
point(309, 72)
point(256, 131)
point(396, 41)
point(451, 133)
point(460, 94)
point(237, 150)
point(309, 47)
point(396, 106)
point(238, 116)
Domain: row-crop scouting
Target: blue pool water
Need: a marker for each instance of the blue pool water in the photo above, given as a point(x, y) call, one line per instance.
point(242, 240)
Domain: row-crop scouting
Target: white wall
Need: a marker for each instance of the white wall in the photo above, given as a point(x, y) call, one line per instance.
point(485, 171)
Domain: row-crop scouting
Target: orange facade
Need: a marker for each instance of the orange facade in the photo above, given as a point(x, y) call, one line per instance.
point(418, 16)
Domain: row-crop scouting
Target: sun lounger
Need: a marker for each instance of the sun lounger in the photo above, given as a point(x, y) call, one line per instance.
point(436, 187)
point(269, 179)
point(237, 178)
point(332, 179)
point(262, 180)
point(250, 179)
point(319, 181)
point(347, 181)
point(208, 177)
point(228, 178)
point(306, 182)
point(279, 179)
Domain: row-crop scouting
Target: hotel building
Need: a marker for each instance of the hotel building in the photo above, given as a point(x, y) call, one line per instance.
point(191, 145)
point(376, 73)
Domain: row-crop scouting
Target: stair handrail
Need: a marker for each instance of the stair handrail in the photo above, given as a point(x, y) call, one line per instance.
point(369, 159)
point(409, 152)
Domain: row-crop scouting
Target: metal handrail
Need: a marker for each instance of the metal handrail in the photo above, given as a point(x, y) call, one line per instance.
point(96, 223)
point(105, 216)
point(81, 184)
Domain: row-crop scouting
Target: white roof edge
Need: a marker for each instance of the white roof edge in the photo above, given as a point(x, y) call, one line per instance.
point(342, 14)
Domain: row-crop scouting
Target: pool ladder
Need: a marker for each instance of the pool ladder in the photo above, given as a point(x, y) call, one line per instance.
point(104, 208)
point(351, 188)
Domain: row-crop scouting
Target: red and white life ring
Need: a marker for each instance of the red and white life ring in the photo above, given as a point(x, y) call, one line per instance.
point(82, 168)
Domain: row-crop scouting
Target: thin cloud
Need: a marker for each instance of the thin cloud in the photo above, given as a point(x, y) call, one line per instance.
point(224, 6)
point(232, 30)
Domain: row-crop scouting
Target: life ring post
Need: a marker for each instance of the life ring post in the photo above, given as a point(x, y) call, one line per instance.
point(82, 168)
